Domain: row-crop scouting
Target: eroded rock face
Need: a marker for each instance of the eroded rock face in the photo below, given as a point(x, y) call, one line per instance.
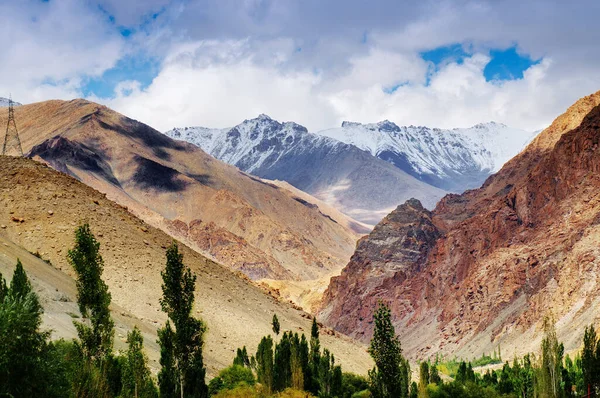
point(492, 262)
point(384, 262)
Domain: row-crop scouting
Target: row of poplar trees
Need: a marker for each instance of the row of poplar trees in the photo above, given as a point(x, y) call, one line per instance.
point(33, 366)
point(88, 366)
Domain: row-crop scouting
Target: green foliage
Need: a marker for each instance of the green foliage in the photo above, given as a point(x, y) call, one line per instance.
point(20, 285)
point(283, 370)
point(352, 384)
point(390, 377)
point(265, 363)
point(549, 375)
point(97, 331)
point(22, 344)
point(168, 379)
point(590, 361)
point(230, 378)
point(29, 365)
point(414, 390)
point(186, 350)
point(241, 357)
point(136, 379)
point(312, 376)
point(485, 360)
point(434, 375)
point(423, 375)
point(275, 324)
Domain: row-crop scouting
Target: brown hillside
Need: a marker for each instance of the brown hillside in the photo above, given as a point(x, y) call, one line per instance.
point(39, 211)
point(485, 267)
point(243, 222)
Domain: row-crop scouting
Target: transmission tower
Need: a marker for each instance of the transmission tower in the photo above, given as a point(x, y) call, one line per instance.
point(12, 143)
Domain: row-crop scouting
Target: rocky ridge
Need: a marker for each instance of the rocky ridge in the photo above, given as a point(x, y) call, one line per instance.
point(523, 246)
point(239, 220)
point(342, 175)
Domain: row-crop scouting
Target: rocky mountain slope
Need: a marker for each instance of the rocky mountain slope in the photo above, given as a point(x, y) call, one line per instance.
point(485, 267)
point(241, 221)
point(39, 211)
point(342, 175)
point(454, 160)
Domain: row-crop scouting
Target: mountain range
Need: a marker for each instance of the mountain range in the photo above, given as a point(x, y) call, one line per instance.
point(365, 170)
point(247, 224)
point(454, 160)
point(484, 268)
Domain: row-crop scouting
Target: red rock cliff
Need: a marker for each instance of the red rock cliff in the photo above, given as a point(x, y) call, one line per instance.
point(486, 266)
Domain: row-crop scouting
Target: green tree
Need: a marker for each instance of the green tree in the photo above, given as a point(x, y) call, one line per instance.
point(22, 343)
point(296, 363)
point(241, 358)
point(264, 363)
point(589, 360)
point(390, 377)
point(304, 354)
point(97, 331)
point(414, 390)
point(177, 301)
point(423, 379)
point(352, 384)
point(275, 324)
point(26, 366)
point(137, 381)
point(550, 372)
point(434, 375)
point(314, 360)
point(282, 375)
point(19, 285)
point(168, 379)
point(230, 378)
point(3, 288)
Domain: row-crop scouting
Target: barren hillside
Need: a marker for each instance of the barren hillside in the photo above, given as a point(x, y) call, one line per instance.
point(39, 211)
point(243, 222)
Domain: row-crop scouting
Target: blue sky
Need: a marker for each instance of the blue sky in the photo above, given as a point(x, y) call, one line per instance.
point(446, 63)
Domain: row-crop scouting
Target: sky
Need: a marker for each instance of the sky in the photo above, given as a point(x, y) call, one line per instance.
point(175, 63)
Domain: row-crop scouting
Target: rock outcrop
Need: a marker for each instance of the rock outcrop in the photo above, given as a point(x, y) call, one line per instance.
point(522, 247)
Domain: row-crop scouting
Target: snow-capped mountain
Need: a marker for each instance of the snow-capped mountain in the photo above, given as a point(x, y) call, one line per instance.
point(351, 179)
point(4, 102)
point(453, 160)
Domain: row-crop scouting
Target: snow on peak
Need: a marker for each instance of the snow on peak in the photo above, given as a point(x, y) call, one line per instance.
point(435, 154)
point(249, 144)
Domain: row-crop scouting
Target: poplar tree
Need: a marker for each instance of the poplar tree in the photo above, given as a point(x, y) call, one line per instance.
point(177, 301)
point(423, 379)
point(549, 374)
point(137, 381)
point(282, 375)
point(96, 333)
point(23, 345)
point(314, 359)
point(390, 376)
point(19, 285)
point(168, 380)
point(275, 324)
point(264, 363)
point(589, 360)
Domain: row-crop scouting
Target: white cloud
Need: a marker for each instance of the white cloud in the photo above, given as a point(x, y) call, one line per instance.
point(313, 62)
point(49, 47)
point(221, 83)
